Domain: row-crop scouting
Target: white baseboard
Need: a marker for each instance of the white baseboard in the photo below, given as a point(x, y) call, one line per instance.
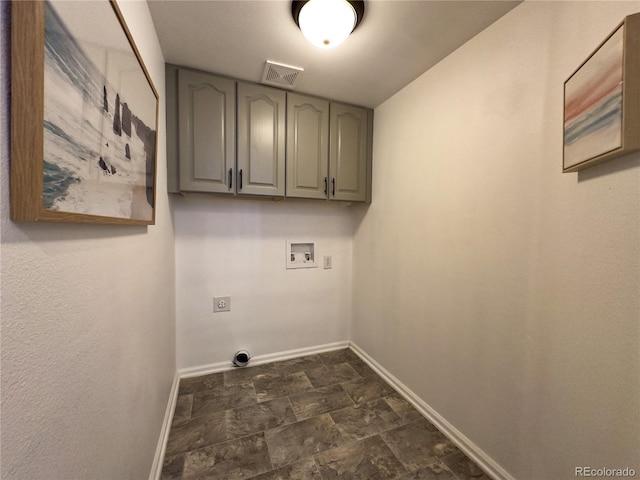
point(158, 459)
point(474, 452)
point(260, 359)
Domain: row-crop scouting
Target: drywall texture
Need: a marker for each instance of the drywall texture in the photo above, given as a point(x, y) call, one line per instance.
point(87, 326)
point(501, 291)
point(229, 246)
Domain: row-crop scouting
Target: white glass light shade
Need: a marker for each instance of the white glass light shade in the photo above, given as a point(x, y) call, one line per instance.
point(327, 23)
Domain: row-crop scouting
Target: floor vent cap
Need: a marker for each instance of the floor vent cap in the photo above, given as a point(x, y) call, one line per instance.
point(241, 358)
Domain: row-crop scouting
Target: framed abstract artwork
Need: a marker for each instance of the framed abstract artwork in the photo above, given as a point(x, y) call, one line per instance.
point(84, 116)
point(602, 101)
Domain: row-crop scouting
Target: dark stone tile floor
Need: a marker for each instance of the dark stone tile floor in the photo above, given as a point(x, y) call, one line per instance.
point(319, 417)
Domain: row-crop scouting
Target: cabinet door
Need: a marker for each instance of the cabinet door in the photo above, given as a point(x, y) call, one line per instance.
point(307, 146)
point(261, 124)
point(206, 125)
point(348, 143)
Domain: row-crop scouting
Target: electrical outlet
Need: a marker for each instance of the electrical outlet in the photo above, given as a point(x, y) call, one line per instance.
point(221, 304)
point(326, 260)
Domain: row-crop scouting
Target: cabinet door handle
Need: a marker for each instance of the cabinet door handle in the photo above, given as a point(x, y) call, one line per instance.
point(230, 178)
point(240, 180)
point(326, 185)
point(333, 186)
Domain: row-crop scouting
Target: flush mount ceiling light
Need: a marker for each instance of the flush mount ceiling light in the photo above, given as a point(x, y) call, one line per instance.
point(327, 23)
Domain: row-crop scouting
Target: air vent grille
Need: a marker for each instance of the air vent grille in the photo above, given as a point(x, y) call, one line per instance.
point(281, 75)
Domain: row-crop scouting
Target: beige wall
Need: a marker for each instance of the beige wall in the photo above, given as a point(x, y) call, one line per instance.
point(229, 246)
point(88, 331)
point(501, 291)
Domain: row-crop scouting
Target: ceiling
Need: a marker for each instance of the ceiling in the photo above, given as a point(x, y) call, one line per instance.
point(396, 42)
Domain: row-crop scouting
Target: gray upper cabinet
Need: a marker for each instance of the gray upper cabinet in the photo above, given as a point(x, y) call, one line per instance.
point(206, 132)
point(307, 146)
point(234, 137)
point(328, 149)
point(261, 140)
point(350, 154)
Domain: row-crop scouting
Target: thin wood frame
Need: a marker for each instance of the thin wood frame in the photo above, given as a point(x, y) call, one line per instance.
point(626, 112)
point(28, 122)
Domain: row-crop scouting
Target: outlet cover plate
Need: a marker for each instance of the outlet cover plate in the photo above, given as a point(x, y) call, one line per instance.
point(221, 304)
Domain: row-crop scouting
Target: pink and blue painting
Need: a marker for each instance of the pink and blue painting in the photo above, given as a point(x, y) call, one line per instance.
point(99, 116)
point(593, 104)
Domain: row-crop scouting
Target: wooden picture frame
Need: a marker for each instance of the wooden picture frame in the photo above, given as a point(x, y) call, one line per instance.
point(602, 101)
point(84, 116)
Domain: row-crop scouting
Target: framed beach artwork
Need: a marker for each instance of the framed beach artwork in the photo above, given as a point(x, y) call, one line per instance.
point(84, 116)
point(602, 101)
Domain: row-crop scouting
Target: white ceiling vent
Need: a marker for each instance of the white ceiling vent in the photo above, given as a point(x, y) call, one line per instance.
point(281, 75)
